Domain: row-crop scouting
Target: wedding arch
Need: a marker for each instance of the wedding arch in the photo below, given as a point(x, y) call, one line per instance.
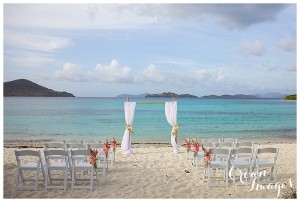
point(171, 116)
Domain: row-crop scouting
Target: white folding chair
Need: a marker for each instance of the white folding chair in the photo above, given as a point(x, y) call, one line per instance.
point(82, 166)
point(59, 166)
point(198, 163)
point(241, 159)
point(218, 164)
point(266, 158)
point(34, 164)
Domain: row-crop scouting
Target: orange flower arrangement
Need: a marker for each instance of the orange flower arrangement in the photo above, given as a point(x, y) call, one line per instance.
point(207, 157)
point(114, 144)
point(106, 148)
point(196, 148)
point(93, 157)
point(188, 145)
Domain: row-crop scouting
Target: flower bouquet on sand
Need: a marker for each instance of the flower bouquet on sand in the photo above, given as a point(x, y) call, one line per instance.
point(187, 145)
point(207, 157)
point(114, 146)
point(93, 157)
point(196, 148)
point(106, 148)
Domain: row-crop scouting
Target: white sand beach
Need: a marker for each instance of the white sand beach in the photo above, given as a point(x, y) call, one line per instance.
point(154, 171)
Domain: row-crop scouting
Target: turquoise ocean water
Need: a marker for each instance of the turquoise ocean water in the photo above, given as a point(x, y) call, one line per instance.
point(28, 118)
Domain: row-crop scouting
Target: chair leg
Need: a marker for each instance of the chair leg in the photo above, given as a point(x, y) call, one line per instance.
point(37, 178)
point(92, 180)
point(208, 179)
point(233, 180)
point(73, 179)
point(226, 176)
point(258, 176)
point(65, 179)
point(46, 179)
point(18, 179)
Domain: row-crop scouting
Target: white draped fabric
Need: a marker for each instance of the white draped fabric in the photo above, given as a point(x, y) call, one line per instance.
point(129, 108)
point(171, 115)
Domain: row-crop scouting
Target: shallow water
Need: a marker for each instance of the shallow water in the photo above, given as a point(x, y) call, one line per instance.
point(99, 118)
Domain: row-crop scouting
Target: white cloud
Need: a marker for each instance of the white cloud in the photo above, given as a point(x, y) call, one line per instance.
point(72, 16)
point(27, 58)
point(36, 42)
point(220, 76)
point(103, 16)
point(255, 48)
point(70, 72)
point(112, 73)
point(239, 16)
point(287, 44)
point(151, 74)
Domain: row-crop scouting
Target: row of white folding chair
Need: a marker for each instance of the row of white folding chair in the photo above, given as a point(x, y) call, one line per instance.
point(102, 160)
point(228, 144)
point(35, 163)
point(82, 141)
point(219, 140)
point(74, 161)
point(241, 158)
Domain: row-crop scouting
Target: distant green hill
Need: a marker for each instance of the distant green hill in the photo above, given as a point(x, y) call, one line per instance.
point(26, 88)
point(291, 97)
point(169, 94)
point(239, 96)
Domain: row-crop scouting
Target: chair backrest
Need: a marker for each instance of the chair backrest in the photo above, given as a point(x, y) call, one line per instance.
point(72, 141)
point(208, 145)
point(54, 145)
point(244, 144)
point(241, 151)
point(224, 145)
point(235, 140)
point(75, 146)
point(272, 151)
point(210, 140)
point(90, 141)
point(226, 153)
point(219, 151)
point(30, 153)
point(95, 145)
point(57, 153)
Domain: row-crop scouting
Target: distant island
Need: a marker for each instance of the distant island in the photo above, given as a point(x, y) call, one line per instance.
point(239, 96)
point(271, 95)
point(291, 97)
point(26, 88)
point(169, 94)
point(132, 96)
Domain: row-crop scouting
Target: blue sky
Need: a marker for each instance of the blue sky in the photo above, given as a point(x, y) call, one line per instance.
point(109, 49)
